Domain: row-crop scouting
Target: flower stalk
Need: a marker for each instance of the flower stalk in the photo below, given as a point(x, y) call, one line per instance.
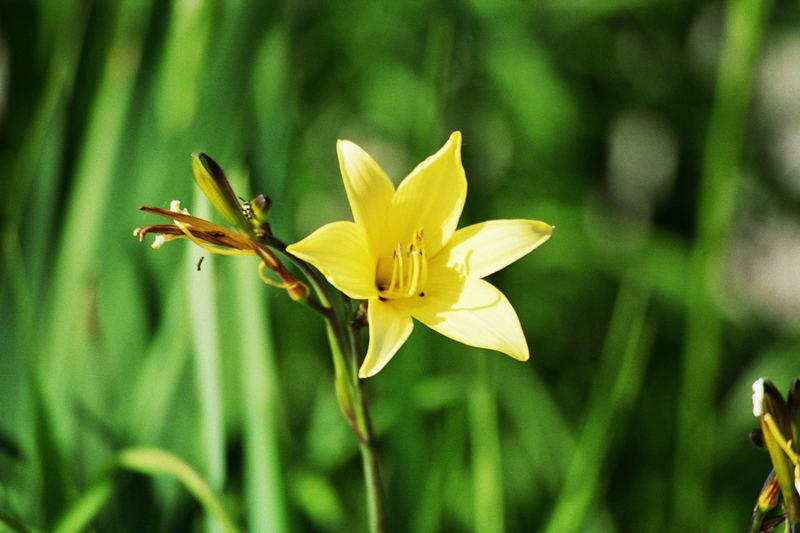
point(402, 257)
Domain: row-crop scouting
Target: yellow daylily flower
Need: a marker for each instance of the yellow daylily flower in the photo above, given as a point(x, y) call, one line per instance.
point(404, 255)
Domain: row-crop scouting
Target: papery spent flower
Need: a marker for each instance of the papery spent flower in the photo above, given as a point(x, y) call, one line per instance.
point(403, 254)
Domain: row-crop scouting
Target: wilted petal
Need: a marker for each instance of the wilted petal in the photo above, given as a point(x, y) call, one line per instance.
point(389, 328)
point(339, 250)
point(431, 198)
point(470, 311)
point(485, 248)
point(369, 190)
point(203, 229)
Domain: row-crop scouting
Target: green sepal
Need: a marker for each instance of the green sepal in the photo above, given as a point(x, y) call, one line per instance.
point(212, 181)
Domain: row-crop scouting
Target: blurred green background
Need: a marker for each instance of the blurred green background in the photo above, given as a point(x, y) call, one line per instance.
point(662, 138)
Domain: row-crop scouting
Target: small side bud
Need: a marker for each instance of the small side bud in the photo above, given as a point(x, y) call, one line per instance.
point(768, 499)
point(770, 492)
point(212, 181)
point(298, 291)
point(261, 206)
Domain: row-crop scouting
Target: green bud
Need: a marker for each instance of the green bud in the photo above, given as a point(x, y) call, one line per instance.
point(768, 497)
point(260, 207)
point(212, 181)
point(767, 501)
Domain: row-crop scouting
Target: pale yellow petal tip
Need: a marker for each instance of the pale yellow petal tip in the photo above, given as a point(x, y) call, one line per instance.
point(372, 365)
point(453, 145)
point(344, 144)
point(542, 227)
point(349, 154)
point(369, 370)
point(523, 356)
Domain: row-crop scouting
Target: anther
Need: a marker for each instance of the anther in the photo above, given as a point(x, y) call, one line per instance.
point(409, 270)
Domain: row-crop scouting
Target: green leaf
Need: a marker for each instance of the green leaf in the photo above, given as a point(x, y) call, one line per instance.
point(154, 461)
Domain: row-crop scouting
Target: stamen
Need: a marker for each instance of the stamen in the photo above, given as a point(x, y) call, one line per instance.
point(416, 269)
point(409, 270)
point(398, 256)
point(393, 281)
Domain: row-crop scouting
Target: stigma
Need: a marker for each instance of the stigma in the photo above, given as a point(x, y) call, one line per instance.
point(409, 270)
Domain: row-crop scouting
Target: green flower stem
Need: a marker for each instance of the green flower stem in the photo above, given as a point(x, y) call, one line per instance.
point(355, 407)
point(369, 452)
point(346, 350)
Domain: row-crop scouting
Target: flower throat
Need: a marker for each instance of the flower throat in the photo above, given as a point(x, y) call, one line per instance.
point(409, 271)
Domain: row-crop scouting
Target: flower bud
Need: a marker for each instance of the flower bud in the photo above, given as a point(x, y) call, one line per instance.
point(298, 291)
point(212, 181)
point(260, 206)
point(768, 498)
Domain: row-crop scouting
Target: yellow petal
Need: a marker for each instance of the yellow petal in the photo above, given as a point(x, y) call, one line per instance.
point(339, 250)
point(482, 249)
point(369, 190)
point(431, 198)
point(470, 311)
point(389, 328)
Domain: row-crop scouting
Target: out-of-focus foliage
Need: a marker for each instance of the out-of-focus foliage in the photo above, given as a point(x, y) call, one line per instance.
point(594, 116)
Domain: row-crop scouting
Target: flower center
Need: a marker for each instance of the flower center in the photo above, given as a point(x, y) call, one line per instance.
point(409, 270)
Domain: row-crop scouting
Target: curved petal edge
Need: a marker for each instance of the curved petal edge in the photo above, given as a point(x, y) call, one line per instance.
point(389, 328)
